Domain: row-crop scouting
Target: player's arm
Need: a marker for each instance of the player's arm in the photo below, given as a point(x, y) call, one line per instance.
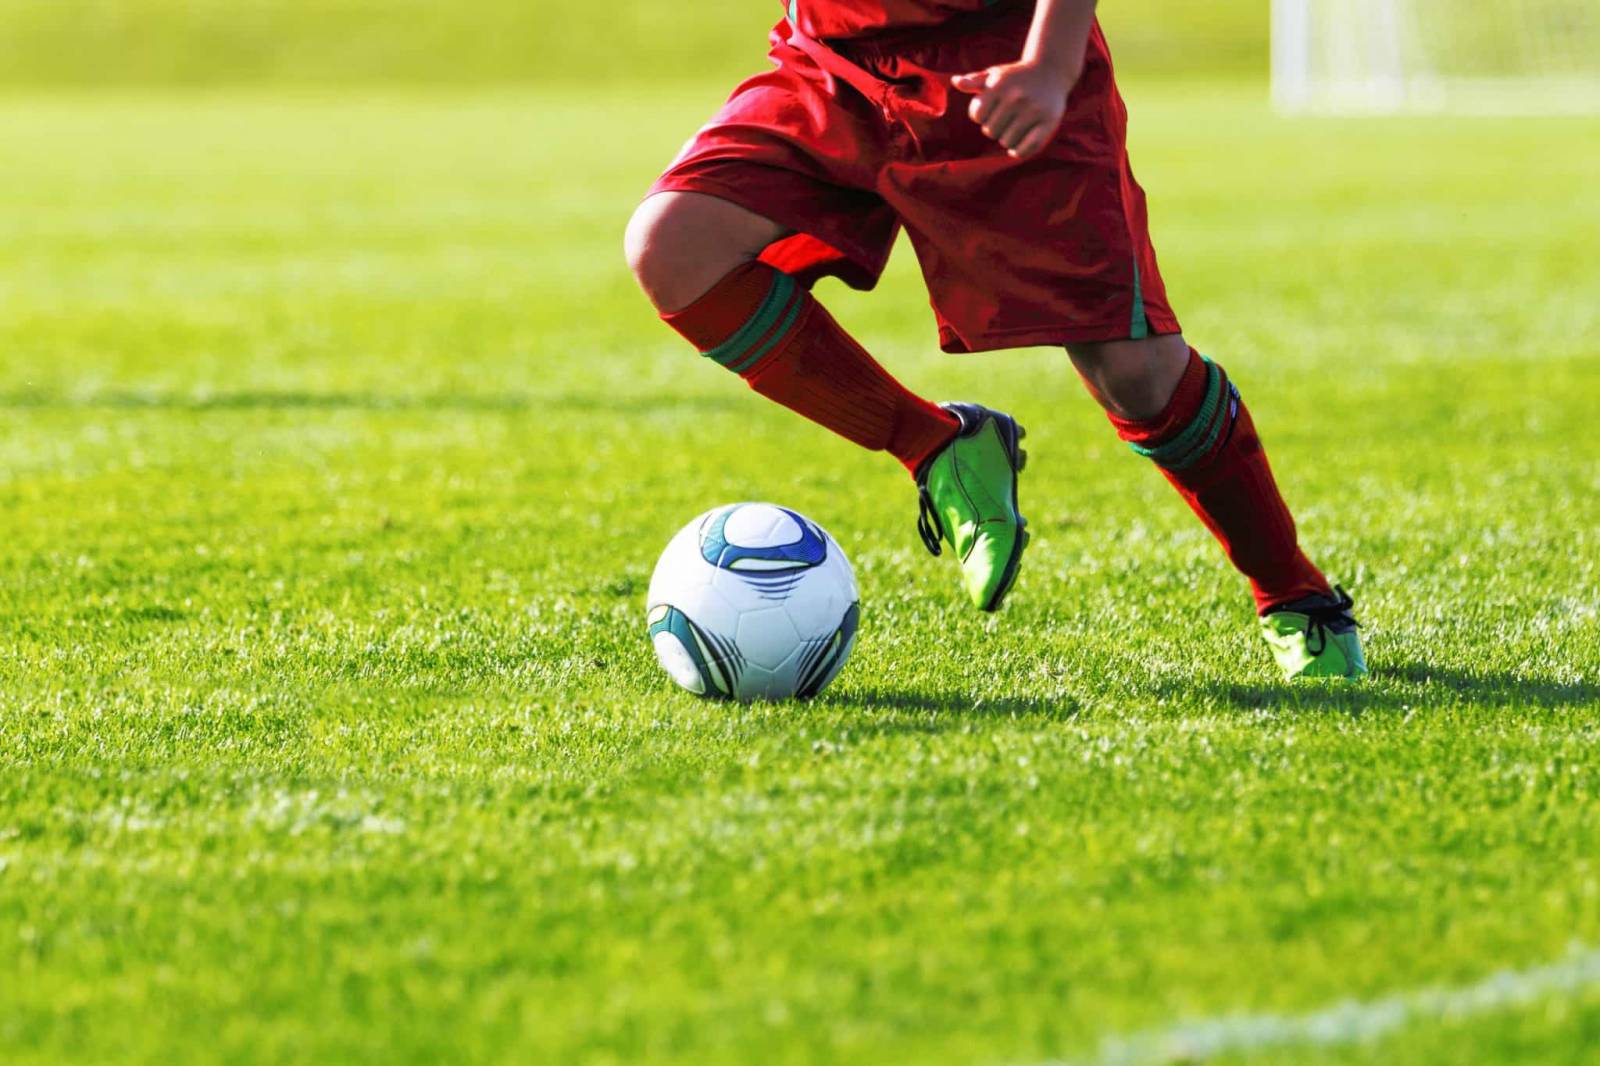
point(1020, 104)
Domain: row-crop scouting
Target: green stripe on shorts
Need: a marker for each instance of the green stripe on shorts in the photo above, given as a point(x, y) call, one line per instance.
point(1140, 327)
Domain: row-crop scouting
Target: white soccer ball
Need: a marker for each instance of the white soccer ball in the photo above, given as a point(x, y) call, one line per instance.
point(753, 601)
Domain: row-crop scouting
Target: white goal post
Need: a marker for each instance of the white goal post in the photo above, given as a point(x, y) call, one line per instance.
point(1508, 56)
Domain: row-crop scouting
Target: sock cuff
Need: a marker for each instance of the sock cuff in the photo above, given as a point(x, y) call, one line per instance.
point(723, 308)
point(744, 318)
point(1178, 412)
point(1196, 420)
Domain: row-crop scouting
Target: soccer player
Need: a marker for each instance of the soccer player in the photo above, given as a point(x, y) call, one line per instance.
point(992, 132)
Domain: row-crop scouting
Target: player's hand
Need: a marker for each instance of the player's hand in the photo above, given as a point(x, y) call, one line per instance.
point(1018, 104)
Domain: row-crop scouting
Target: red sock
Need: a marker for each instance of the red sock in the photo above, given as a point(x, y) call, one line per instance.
point(759, 323)
point(1205, 443)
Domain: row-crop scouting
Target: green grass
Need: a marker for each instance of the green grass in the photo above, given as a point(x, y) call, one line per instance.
point(335, 452)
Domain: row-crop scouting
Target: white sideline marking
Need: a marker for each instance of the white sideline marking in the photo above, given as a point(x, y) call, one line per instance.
point(1349, 1021)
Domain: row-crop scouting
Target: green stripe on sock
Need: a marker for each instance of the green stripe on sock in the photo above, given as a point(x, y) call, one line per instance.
point(1212, 433)
point(734, 348)
point(1184, 440)
point(777, 335)
point(1198, 435)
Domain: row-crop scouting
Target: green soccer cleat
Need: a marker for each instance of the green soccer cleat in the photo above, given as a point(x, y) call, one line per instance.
point(1316, 637)
point(969, 498)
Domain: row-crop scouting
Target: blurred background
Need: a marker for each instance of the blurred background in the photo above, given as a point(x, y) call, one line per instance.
point(476, 42)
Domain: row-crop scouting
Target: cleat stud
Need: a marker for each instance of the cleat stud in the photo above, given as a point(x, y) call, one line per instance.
point(1022, 459)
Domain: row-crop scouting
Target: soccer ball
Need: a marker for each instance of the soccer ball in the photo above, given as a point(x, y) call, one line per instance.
point(753, 601)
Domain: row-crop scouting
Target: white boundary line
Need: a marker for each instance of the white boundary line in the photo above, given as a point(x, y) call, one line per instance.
point(1349, 1021)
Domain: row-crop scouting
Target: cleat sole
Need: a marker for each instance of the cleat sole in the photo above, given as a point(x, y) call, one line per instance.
point(1011, 432)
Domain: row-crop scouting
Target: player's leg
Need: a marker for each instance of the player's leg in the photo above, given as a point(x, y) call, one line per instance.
point(696, 257)
point(1181, 411)
point(1004, 273)
point(1184, 414)
point(779, 189)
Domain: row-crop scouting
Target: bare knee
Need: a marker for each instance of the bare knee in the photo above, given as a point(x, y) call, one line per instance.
point(681, 244)
point(1132, 379)
point(650, 244)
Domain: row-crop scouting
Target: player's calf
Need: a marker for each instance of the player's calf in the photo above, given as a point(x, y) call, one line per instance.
point(1204, 441)
point(1132, 379)
point(1180, 410)
point(695, 256)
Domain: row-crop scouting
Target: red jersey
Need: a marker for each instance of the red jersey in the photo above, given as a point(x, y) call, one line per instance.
point(857, 18)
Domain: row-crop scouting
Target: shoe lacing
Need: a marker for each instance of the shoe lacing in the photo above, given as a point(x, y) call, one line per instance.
point(928, 521)
point(1331, 616)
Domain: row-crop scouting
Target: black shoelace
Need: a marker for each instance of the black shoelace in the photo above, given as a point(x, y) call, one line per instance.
point(1333, 616)
point(928, 522)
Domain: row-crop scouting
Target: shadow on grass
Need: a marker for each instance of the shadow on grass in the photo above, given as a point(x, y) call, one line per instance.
point(130, 400)
point(1405, 686)
point(955, 704)
point(1399, 687)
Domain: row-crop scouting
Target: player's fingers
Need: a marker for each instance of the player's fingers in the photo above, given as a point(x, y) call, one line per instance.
point(1010, 120)
point(1014, 136)
point(975, 82)
point(983, 106)
point(1026, 120)
point(1031, 142)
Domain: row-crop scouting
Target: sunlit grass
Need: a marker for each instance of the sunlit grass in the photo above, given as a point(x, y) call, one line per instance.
point(336, 448)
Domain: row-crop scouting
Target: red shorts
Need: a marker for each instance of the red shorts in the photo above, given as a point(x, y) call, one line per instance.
point(846, 142)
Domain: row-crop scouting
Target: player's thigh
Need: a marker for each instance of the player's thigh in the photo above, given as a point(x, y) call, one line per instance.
point(1044, 252)
point(680, 244)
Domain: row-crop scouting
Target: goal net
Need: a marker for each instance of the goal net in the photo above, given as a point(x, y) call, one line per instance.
point(1514, 56)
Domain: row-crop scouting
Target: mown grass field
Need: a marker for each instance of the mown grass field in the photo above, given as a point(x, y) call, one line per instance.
point(335, 451)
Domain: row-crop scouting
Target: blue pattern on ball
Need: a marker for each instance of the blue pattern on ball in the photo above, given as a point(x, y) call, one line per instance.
point(810, 550)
